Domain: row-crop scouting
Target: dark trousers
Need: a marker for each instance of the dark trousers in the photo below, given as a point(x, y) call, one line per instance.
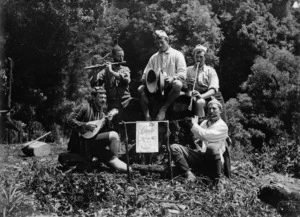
point(186, 158)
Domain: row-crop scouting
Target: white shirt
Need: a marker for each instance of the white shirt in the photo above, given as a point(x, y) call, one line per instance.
point(214, 135)
point(207, 78)
point(172, 63)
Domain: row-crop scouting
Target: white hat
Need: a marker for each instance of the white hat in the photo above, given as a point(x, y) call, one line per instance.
point(215, 101)
point(200, 47)
point(161, 33)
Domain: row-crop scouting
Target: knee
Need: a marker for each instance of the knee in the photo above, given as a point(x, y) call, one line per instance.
point(113, 136)
point(201, 103)
point(175, 148)
point(141, 90)
point(177, 85)
point(213, 153)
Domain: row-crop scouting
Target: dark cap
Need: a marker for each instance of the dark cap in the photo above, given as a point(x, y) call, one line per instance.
point(116, 48)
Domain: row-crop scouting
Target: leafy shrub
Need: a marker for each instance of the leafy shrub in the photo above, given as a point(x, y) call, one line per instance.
point(10, 198)
point(65, 193)
point(286, 154)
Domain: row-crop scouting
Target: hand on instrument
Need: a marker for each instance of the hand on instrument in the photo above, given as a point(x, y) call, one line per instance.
point(195, 119)
point(90, 127)
point(169, 79)
point(109, 116)
point(108, 67)
point(196, 94)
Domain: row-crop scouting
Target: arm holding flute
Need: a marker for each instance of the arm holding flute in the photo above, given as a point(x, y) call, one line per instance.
point(105, 64)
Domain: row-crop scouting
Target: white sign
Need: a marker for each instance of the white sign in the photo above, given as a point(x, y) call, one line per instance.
point(146, 137)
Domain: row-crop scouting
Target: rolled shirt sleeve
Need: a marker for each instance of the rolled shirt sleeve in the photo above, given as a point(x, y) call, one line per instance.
point(99, 80)
point(180, 66)
point(216, 132)
point(207, 79)
point(124, 75)
point(213, 80)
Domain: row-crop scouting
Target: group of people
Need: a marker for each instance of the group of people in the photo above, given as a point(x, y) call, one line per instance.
point(110, 89)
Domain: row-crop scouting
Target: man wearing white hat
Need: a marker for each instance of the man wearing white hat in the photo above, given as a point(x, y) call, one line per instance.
point(173, 67)
point(212, 133)
point(206, 83)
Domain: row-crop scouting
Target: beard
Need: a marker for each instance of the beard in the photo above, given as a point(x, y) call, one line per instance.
point(103, 107)
point(213, 117)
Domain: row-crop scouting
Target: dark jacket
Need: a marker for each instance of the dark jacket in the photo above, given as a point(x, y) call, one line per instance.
point(117, 90)
point(77, 120)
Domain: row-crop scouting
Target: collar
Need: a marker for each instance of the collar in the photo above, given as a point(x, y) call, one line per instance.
point(202, 68)
point(212, 121)
point(167, 51)
point(117, 66)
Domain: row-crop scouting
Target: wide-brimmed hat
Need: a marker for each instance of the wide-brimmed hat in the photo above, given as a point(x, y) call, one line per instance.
point(155, 81)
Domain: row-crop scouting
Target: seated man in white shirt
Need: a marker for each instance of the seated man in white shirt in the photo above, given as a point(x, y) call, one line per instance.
point(173, 66)
point(213, 133)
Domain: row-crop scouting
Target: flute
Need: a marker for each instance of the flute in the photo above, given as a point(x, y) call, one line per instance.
point(191, 103)
point(102, 65)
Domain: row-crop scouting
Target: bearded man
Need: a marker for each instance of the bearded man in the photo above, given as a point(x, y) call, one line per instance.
point(105, 144)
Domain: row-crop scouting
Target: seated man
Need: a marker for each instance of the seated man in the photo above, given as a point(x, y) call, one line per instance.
point(172, 63)
point(213, 133)
point(206, 83)
point(105, 144)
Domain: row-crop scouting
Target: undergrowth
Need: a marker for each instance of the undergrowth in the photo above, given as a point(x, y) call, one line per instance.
point(37, 186)
point(109, 194)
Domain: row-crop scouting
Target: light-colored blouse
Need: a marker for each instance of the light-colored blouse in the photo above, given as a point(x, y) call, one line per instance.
point(207, 78)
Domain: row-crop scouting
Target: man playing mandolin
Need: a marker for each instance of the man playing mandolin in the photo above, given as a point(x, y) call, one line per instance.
point(104, 144)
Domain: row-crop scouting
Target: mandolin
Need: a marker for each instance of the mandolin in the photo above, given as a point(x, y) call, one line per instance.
point(98, 124)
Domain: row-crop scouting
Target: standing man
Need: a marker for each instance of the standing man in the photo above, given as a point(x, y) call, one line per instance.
point(106, 143)
point(213, 133)
point(116, 79)
point(173, 65)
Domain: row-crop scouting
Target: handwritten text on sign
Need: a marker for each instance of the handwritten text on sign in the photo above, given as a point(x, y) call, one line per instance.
point(146, 137)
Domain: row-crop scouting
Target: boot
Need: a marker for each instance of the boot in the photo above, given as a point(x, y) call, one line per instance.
point(119, 165)
point(190, 177)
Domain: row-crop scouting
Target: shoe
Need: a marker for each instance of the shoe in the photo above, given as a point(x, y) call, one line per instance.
point(190, 177)
point(119, 165)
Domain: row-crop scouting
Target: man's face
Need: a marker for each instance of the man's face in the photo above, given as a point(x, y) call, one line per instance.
point(214, 110)
point(119, 56)
point(100, 99)
point(162, 44)
point(199, 57)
